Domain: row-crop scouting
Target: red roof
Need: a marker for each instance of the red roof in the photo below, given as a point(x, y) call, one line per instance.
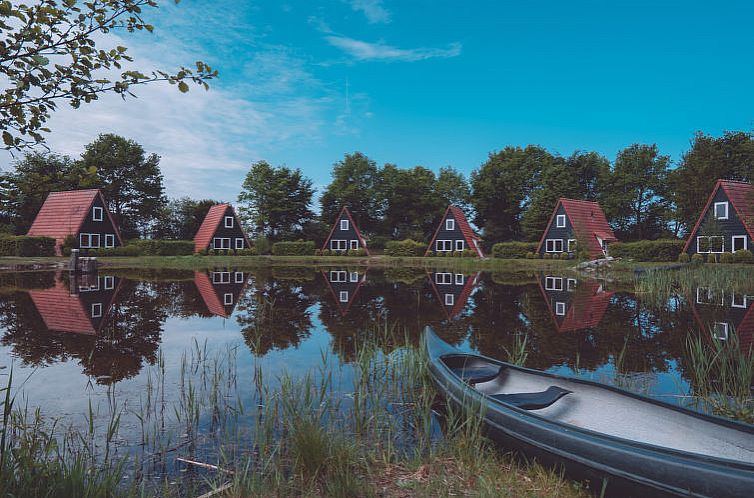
point(741, 197)
point(744, 329)
point(63, 213)
point(588, 221)
point(209, 226)
point(362, 240)
point(587, 308)
point(460, 303)
point(210, 297)
point(352, 295)
point(469, 234)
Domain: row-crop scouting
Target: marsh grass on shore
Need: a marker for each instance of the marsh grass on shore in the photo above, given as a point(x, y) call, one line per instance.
point(367, 428)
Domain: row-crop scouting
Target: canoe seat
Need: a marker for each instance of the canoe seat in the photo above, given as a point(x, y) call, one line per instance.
point(477, 375)
point(533, 401)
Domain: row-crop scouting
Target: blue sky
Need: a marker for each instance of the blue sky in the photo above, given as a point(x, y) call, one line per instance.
point(428, 83)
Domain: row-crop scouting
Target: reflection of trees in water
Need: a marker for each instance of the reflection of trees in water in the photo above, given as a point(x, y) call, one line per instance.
point(274, 314)
point(130, 335)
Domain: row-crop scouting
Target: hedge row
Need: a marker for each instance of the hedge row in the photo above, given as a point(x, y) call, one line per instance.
point(295, 248)
point(144, 247)
point(23, 245)
point(739, 257)
point(404, 248)
point(648, 250)
point(466, 253)
point(349, 252)
point(513, 250)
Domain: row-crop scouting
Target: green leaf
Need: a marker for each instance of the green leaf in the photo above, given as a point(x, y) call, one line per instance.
point(7, 138)
point(183, 87)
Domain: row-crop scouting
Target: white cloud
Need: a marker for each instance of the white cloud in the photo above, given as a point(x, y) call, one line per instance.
point(362, 50)
point(373, 10)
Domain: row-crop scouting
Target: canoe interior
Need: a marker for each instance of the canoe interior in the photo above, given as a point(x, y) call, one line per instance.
point(609, 412)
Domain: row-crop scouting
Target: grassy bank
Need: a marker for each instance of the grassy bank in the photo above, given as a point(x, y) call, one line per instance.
point(375, 435)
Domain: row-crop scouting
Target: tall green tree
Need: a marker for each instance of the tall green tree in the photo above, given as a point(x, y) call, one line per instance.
point(730, 157)
point(355, 184)
point(411, 202)
point(635, 193)
point(453, 188)
point(501, 189)
point(181, 218)
point(57, 51)
point(24, 189)
point(275, 201)
point(131, 181)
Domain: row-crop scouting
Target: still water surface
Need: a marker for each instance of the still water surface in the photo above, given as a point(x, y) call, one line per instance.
point(103, 341)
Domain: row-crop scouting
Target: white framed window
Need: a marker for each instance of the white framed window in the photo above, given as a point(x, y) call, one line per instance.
point(714, 244)
point(353, 276)
point(554, 245)
point(221, 243)
point(240, 243)
point(444, 278)
point(238, 277)
point(459, 245)
point(720, 330)
point(560, 308)
point(738, 301)
point(98, 214)
point(721, 210)
point(228, 222)
point(88, 240)
point(109, 240)
point(571, 284)
point(338, 245)
point(220, 277)
point(344, 224)
point(227, 298)
point(554, 283)
point(450, 299)
point(443, 245)
point(739, 243)
point(450, 224)
point(459, 279)
point(703, 295)
point(354, 244)
point(343, 296)
point(91, 287)
point(109, 282)
point(338, 276)
point(560, 221)
point(572, 245)
point(96, 310)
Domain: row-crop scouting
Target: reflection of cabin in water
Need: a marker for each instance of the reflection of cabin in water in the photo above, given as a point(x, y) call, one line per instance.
point(453, 290)
point(723, 314)
point(574, 305)
point(344, 285)
point(220, 289)
point(79, 307)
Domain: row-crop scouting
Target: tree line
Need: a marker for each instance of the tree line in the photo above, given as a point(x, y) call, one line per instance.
point(508, 197)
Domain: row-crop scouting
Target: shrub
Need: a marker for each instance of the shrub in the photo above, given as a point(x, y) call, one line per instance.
point(156, 247)
point(293, 248)
point(469, 253)
point(697, 258)
point(358, 252)
point(565, 255)
point(648, 250)
point(378, 242)
point(252, 251)
point(683, 258)
point(547, 255)
point(23, 245)
point(513, 250)
point(727, 258)
point(406, 247)
point(262, 244)
point(743, 256)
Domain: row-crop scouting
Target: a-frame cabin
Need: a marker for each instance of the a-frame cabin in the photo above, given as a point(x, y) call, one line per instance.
point(220, 289)
point(576, 222)
point(726, 223)
point(82, 214)
point(453, 290)
point(454, 234)
point(221, 230)
point(574, 305)
point(344, 284)
point(345, 235)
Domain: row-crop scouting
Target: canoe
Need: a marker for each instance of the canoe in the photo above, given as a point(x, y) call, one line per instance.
point(629, 443)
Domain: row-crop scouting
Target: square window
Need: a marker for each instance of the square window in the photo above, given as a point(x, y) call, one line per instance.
point(343, 296)
point(354, 244)
point(716, 244)
point(353, 276)
point(109, 240)
point(450, 224)
point(227, 298)
point(459, 245)
point(554, 245)
point(109, 282)
point(720, 331)
point(337, 276)
point(554, 283)
point(338, 245)
point(444, 278)
point(344, 224)
point(721, 210)
point(572, 282)
point(228, 222)
point(239, 277)
point(571, 245)
point(240, 243)
point(96, 310)
point(98, 214)
point(560, 308)
point(739, 243)
point(443, 245)
point(459, 279)
point(703, 295)
point(450, 299)
point(738, 301)
point(560, 221)
point(220, 277)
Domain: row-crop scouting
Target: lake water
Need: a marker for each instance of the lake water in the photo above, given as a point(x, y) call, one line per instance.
point(104, 341)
